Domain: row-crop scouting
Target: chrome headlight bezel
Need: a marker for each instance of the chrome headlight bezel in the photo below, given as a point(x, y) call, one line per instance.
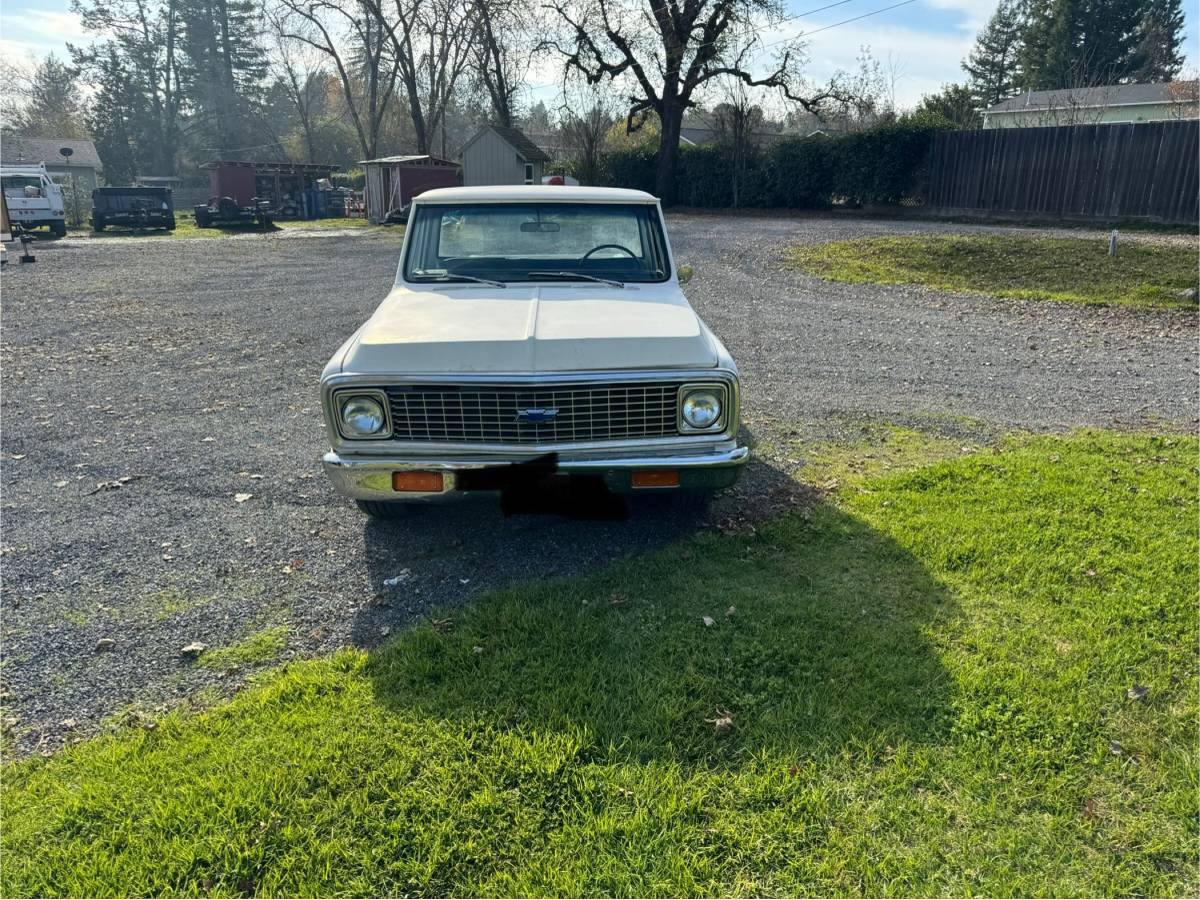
point(341, 398)
point(720, 391)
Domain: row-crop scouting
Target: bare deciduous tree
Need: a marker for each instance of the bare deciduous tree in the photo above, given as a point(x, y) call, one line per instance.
point(586, 115)
point(300, 67)
point(662, 53)
point(736, 119)
point(431, 43)
point(505, 41)
point(352, 37)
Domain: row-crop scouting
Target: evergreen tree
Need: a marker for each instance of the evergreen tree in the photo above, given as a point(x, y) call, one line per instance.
point(136, 73)
point(117, 117)
point(51, 107)
point(223, 70)
point(1080, 43)
point(1158, 55)
point(953, 105)
point(994, 62)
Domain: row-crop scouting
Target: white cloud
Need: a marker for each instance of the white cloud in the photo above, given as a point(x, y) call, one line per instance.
point(21, 52)
point(924, 60)
point(61, 27)
point(975, 12)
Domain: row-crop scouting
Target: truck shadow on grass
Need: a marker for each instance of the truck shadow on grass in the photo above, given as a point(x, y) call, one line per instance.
point(804, 635)
point(442, 554)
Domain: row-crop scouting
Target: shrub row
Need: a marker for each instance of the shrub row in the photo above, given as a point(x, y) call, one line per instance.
point(883, 165)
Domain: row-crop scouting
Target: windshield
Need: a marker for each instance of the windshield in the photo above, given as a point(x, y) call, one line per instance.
point(22, 186)
point(533, 242)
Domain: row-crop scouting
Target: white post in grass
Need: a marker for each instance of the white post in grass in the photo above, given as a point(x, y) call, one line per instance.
point(1112, 243)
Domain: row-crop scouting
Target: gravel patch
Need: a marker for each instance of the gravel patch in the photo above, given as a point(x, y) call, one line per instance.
point(150, 384)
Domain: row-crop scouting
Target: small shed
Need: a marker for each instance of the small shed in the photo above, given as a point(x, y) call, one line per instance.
point(392, 181)
point(499, 155)
point(291, 189)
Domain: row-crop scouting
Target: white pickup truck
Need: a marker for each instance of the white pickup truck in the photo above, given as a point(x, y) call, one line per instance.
point(33, 198)
point(542, 325)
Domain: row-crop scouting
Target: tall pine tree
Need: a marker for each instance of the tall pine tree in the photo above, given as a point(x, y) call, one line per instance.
point(994, 62)
point(135, 114)
point(1089, 43)
point(51, 107)
point(223, 71)
point(1158, 56)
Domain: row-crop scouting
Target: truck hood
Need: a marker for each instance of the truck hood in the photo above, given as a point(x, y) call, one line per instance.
point(541, 328)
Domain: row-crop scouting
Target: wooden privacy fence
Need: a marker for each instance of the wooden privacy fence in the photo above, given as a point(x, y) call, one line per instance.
point(1147, 171)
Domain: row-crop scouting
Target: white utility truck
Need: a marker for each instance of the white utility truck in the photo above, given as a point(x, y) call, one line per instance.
point(33, 198)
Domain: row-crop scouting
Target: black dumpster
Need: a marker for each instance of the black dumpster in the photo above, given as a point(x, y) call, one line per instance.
point(133, 207)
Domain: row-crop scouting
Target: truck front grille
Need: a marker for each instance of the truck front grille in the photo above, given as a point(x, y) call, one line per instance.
point(501, 414)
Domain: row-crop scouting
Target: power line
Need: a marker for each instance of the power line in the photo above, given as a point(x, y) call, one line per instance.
point(803, 34)
point(843, 22)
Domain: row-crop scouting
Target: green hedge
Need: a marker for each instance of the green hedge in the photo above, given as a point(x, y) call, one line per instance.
point(883, 165)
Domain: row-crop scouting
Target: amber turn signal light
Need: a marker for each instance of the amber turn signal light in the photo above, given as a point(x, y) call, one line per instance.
point(423, 482)
point(656, 478)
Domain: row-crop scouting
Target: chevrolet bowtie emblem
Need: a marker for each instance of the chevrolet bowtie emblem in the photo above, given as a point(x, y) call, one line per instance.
point(537, 415)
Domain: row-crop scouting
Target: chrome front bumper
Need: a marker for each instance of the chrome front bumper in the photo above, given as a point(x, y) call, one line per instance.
point(363, 477)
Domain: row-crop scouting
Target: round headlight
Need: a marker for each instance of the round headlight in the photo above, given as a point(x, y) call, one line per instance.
point(701, 409)
point(362, 416)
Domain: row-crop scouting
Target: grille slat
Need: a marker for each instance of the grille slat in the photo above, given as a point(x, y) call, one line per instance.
point(487, 414)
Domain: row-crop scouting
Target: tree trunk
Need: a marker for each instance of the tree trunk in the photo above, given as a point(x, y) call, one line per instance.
point(668, 152)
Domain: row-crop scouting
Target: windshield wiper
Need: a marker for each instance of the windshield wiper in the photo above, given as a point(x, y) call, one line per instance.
point(574, 275)
point(441, 275)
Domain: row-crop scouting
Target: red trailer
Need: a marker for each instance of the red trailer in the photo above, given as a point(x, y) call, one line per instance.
point(288, 189)
point(392, 181)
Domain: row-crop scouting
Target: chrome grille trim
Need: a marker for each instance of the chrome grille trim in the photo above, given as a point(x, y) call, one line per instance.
point(472, 413)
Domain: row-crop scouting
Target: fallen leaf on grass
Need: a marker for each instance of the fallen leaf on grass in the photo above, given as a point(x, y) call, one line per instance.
point(442, 626)
point(241, 498)
point(194, 649)
point(709, 621)
point(1137, 692)
point(617, 598)
point(723, 723)
point(105, 644)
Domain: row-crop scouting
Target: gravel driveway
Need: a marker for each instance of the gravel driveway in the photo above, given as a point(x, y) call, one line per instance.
point(148, 382)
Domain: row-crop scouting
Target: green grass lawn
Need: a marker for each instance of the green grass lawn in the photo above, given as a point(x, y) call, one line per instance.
point(926, 679)
point(1031, 268)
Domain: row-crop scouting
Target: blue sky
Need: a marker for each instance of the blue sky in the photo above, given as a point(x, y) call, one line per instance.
point(923, 42)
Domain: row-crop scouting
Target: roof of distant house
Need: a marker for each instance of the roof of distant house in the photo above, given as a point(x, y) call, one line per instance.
point(16, 149)
point(696, 135)
point(1099, 97)
point(528, 150)
point(423, 159)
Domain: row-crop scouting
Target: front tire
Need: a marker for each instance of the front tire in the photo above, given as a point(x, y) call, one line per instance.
point(384, 509)
point(58, 229)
